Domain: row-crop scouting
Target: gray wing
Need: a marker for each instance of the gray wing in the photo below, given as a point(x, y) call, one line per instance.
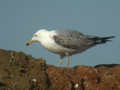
point(72, 39)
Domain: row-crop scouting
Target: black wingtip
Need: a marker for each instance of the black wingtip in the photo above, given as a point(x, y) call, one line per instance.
point(109, 37)
point(106, 39)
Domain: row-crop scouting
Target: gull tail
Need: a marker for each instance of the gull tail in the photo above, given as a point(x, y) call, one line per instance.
point(102, 40)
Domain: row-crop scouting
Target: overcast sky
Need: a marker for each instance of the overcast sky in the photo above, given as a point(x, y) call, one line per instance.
point(19, 19)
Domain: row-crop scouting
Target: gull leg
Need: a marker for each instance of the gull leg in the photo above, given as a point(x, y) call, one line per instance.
point(61, 60)
point(67, 59)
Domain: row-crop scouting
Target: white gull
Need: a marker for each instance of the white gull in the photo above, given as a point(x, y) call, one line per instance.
point(66, 42)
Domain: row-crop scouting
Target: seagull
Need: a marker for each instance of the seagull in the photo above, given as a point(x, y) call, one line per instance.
point(66, 42)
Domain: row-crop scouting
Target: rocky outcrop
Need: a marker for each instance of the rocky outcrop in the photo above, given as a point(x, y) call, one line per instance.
point(19, 71)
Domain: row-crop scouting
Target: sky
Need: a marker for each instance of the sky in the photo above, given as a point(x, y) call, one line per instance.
point(19, 19)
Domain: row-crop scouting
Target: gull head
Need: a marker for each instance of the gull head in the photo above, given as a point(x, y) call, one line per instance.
point(37, 36)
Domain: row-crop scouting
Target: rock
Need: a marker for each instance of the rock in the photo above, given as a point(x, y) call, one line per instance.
point(19, 71)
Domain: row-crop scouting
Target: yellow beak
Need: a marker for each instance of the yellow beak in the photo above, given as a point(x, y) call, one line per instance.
point(30, 42)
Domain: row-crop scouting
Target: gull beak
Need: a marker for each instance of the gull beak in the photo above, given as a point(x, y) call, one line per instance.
point(30, 42)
